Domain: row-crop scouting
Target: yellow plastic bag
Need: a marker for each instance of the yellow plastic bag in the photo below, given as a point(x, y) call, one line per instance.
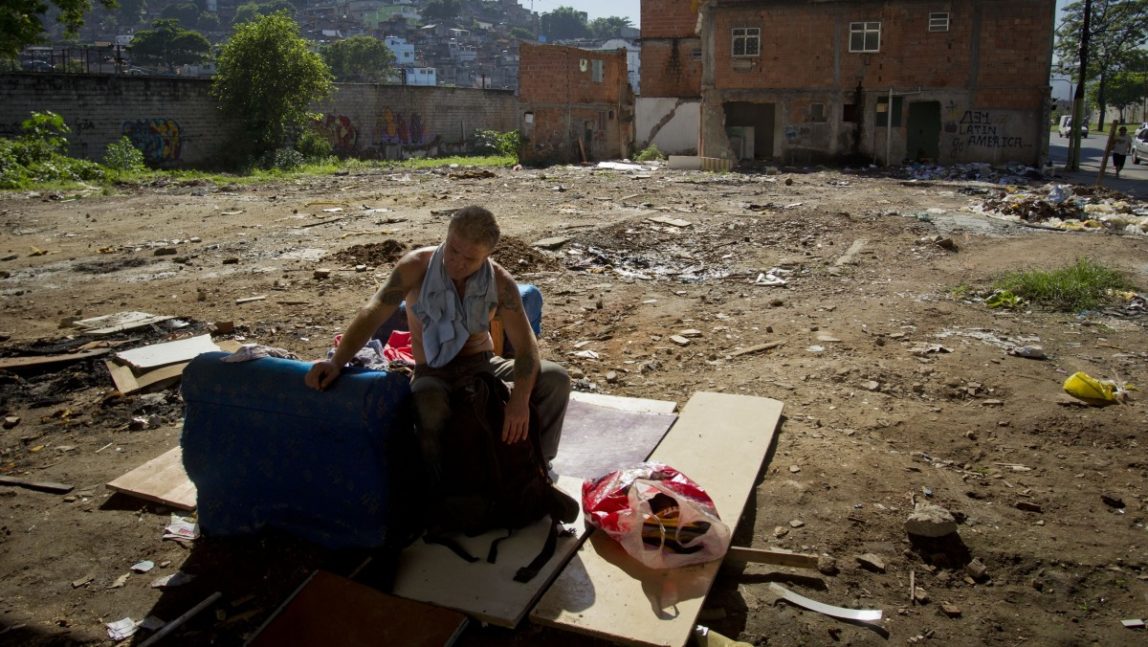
point(1093, 391)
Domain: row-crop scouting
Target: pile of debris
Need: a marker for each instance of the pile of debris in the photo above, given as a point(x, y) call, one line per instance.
point(1060, 206)
point(979, 171)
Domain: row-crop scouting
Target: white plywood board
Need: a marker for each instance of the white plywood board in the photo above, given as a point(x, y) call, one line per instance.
point(432, 573)
point(635, 405)
point(168, 353)
point(720, 441)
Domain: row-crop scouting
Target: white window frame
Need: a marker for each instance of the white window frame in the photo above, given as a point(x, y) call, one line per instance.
point(939, 21)
point(746, 35)
point(597, 70)
point(863, 31)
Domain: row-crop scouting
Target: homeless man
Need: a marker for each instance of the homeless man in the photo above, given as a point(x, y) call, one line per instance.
point(452, 293)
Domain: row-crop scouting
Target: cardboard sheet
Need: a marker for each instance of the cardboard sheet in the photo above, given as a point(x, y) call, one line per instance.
point(598, 438)
point(720, 441)
point(161, 479)
point(168, 353)
point(432, 573)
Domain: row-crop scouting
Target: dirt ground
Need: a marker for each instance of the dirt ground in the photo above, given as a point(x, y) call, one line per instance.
point(873, 421)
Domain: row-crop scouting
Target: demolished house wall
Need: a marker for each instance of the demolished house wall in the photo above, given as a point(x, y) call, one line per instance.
point(975, 92)
point(668, 123)
point(177, 124)
point(574, 104)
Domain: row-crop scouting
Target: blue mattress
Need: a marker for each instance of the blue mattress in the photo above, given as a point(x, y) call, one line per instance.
point(266, 451)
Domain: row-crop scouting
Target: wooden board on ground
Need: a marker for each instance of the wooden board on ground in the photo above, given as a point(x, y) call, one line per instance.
point(600, 437)
point(432, 573)
point(161, 479)
point(332, 610)
point(34, 361)
point(720, 441)
point(156, 355)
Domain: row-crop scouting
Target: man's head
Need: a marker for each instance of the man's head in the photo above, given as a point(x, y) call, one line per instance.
point(1123, 130)
point(470, 238)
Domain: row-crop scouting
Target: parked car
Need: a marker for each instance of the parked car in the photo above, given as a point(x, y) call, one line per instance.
point(38, 66)
point(1140, 145)
point(1065, 127)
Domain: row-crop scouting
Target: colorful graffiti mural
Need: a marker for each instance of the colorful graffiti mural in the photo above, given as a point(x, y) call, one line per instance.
point(160, 140)
point(341, 132)
point(393, 128)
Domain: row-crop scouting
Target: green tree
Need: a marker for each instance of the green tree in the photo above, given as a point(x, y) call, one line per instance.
point(565, 23)
point(1117, 29)
point(609, 27)
point(252, 10)
point(360, 58)
point(186, 13)
point(521, 33)
point(21, 21)
point(268, 74)
point(441, 9)
point(1127, 87)
point(168, 44)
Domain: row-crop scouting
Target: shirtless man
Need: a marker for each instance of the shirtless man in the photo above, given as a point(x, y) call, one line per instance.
point(452, 293)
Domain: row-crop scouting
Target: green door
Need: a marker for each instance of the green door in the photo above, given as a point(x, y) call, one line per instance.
point(924, 140)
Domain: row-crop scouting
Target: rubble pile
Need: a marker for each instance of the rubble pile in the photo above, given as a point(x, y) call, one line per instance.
point(979, 171)
point(1070, 208)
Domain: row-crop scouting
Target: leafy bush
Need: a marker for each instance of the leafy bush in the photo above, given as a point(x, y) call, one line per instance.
point(649, 154)
point(122, 155)
point(492, 142)
point(313, 145)
point(285, 159)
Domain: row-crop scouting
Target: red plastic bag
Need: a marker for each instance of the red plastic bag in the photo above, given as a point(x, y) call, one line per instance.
point(661, 517)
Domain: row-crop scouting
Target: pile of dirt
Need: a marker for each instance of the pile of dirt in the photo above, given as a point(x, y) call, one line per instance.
point(518, 256)
point(372, 254)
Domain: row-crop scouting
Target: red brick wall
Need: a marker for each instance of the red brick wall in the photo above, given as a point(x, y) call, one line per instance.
point(554, 74)
point(669, 18)
point(798, 41)
point(567, 105)
point(671, 69)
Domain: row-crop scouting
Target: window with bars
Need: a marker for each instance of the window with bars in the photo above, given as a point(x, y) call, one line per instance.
point(746, 41)
point(597, 70)
point(864, 36)
point(939, 21)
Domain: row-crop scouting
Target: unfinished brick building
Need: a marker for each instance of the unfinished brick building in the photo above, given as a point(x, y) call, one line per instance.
point(888, 80)
point(574, 104)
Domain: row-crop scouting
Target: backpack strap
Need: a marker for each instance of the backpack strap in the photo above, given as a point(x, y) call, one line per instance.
point(453, 545)
point(527, 573)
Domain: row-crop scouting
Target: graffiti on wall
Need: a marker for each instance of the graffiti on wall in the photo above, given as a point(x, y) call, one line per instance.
point(979, 129)
point(394, 128)
point(340, 131)
point(160, 140)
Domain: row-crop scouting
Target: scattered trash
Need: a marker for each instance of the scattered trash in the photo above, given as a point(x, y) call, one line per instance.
point(181, 529)
point(1094, 391)
point(179, 578)
point(1135, 623)
point(120, 581)
point(857, 615)
point(1031, 352)
point(585, 354)
point(770, 278)
point(122, 629)
point(706, 637)
point(158, 355)
point(143, 566)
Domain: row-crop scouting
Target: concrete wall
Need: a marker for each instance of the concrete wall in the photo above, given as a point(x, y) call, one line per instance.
point(176, 122)
point(985, 80)
point(566, 113)
point(173, 121)
point(670, 124)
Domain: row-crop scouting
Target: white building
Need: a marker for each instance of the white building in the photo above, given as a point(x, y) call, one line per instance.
point(404, 52)
point(633, 58)
point(421, 76)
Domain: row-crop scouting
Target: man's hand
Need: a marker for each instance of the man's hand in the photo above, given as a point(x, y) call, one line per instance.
point(516, 420)
point(322, 375)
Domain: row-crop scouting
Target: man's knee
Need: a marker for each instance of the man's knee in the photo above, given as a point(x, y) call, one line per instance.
point(553, 381)
point(432, 404)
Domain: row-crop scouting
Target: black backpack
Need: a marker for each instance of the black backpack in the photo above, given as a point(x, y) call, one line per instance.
point(483, 483)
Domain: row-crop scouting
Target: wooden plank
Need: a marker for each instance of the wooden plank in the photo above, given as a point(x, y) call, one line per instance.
point(157, 355)
point(636, 405)
point(122, 376)
point(720, 441)
point(331, 610)
point(33, 361)
point(161, 479)
point(771, 556)
point(43, 486)
point(432, 573)
point(756, 349)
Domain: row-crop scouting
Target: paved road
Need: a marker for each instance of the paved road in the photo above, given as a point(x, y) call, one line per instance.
point(1133, 179)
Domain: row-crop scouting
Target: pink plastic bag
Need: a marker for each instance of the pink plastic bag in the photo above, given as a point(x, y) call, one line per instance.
point(661, 517)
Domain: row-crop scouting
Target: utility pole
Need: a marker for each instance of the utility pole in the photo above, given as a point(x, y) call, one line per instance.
point(1073, 163)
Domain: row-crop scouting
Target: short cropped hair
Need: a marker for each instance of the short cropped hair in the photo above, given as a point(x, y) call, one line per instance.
point(476, 225)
